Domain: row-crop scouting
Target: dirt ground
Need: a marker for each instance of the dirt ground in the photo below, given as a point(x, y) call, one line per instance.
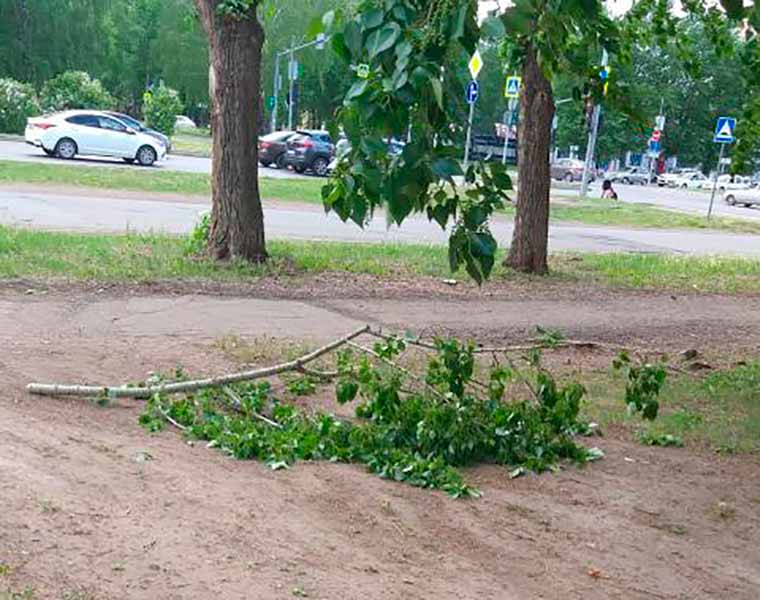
point(93, 507)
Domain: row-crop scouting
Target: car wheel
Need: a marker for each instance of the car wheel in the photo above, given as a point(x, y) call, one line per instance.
point(319, 166)
point(684, 187)
point(731, 200)
point(129, 161)
point(265, 164)
point(66, 148)
point(747, 205)
point(626, 181)
point(568, 177)
point(146, 156)
point(280, 161)
point(299, 169)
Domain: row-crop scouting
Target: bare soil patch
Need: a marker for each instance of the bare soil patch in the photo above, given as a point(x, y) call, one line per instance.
point(94, 505)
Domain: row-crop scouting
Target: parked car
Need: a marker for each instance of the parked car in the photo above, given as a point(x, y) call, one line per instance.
point(689, 181)
point(183, 122)
point(569, 169)
point(667, 178)
point(93, 133)
point(395, 148)
point(631, 175)
point(141, 127)
point(309, 149)
point(273, 147)
point(748, 197)
point(728, 182)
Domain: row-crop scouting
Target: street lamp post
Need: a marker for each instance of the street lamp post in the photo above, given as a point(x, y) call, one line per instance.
point(319, 42)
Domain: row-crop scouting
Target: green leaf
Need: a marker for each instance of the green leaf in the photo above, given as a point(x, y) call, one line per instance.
point(437, 86)
point(373, 18)
point(381, 39)
point(353, 38)
point(447, 168)
point(357, 89)
point(338, 43)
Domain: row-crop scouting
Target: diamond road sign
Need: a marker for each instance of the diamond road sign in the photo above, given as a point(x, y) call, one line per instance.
point(476, 64)
point(724, 130)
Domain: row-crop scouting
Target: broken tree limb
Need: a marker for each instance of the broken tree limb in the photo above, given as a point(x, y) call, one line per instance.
point(42, 389)
point(239, 406)
point(399, 368)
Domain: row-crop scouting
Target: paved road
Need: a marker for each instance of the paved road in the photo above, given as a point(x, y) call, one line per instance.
point(684, 201)
point(43, 209)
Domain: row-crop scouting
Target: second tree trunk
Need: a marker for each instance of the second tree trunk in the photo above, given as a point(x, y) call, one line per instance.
point(529, 249)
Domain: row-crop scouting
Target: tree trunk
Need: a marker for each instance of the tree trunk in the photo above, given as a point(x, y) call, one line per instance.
point(530, 240)
point(237, 220)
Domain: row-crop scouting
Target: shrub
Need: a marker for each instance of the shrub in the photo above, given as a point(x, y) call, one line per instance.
point(161, 108)
point(18, 102)
point(75, 89)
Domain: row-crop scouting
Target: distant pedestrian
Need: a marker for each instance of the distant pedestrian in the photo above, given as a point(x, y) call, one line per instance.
point(607, 191)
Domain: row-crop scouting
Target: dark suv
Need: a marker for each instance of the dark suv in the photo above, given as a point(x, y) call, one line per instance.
point(309, 149)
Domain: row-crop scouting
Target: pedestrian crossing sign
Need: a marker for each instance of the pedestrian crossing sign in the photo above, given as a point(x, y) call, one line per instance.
point(512, 89)
point(724, 130)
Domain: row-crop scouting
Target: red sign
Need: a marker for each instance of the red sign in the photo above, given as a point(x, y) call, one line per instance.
point(656, 135)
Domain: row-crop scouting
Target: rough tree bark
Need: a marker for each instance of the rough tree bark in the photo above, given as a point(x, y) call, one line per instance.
point(530, 240)
point(237, 220)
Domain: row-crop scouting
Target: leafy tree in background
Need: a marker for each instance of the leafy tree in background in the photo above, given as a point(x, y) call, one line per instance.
point(74, 89)
point(18, 101)
point(161, 107)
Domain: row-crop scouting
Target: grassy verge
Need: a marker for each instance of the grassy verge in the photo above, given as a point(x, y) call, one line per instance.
point(590, 212)
point(148, 180)
point(719, 411)
point(191, 144)
point(644, 216)
point(134, 258)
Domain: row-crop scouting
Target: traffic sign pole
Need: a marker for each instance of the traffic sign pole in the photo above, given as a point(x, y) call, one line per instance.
point(512, 107)
point(591, 147)
point(475, 65)
point(276, 91)
point(715, 181)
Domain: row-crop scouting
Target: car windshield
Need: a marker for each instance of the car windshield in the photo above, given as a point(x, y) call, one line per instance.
point(129, 121)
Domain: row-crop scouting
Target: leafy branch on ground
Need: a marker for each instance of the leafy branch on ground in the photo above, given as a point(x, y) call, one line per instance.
point(645, 381)
point(418, 428)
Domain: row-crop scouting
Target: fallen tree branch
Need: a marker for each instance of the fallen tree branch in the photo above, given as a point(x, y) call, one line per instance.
point(239, 406)
point(166, 416)
point(42, 389)
point(533, 345)
point(399, 368)
point(325, 375)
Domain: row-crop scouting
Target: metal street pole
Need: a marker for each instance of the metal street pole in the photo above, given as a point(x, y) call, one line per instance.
point(469, 136)
point(591, 147)
point(291, 84)
point(660, 125)
point(510, 113)
point(276, 90)
point(715, 181)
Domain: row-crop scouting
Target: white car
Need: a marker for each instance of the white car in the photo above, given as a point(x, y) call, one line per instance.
point(667, 179)
point(748, 197)
point(183, 122)
point(92, 133)
point(690, 181)
point(727, 182)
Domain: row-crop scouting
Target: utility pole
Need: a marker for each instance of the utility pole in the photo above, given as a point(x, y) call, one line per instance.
point(291, 83)
point(591, 147)
point(660, 126)
point(276, 90)
point(715, 181)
